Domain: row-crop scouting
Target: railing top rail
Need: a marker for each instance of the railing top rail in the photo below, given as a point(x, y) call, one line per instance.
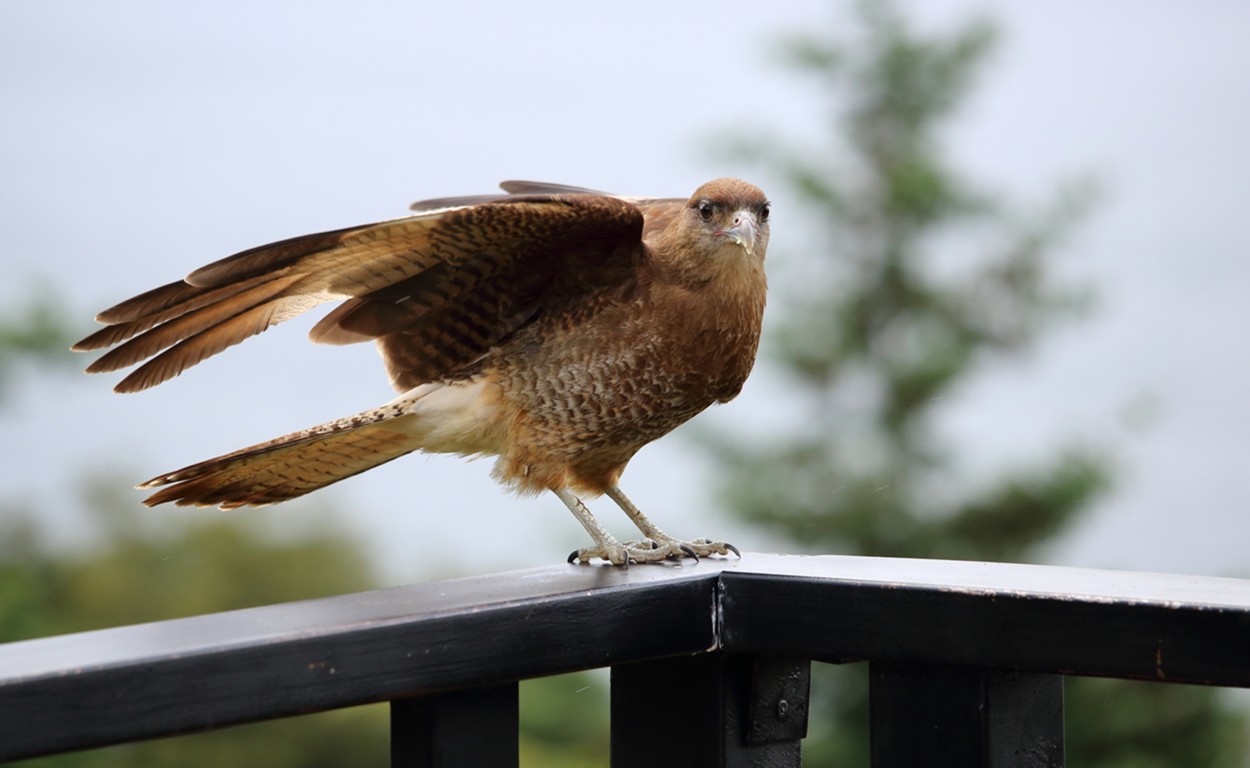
point(499, 593)
point(121, 684)
point(1041, 581)
point(1028, 618)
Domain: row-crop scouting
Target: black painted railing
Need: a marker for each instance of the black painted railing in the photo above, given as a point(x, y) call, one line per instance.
point(709, 661)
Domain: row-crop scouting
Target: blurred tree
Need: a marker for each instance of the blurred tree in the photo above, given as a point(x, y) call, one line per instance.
point(37, 333)
point(134, 574)
point(913, 277)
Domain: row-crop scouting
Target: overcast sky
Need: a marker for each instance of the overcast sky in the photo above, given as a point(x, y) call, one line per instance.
point(142, 139)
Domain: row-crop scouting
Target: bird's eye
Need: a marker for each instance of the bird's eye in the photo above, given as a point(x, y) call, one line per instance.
point(765, 209)
point(706, 209)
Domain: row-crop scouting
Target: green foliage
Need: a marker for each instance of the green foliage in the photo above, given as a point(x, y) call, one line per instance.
point(912, 277)
point(134, 574)
point(37, 332)
point(1127, 724)
point(564, 721)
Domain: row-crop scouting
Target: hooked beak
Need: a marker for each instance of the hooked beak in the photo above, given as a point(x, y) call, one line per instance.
point(742, 231)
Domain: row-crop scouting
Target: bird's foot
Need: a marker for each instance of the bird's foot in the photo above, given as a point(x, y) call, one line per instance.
point(652, 551)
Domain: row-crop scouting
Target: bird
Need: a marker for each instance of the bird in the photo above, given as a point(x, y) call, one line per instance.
point(555, 328)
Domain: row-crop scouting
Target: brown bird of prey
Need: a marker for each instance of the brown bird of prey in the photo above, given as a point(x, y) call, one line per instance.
point(556, 328)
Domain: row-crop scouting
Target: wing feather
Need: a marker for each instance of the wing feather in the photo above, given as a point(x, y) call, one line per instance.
point(169, 301)
point(516, 187)
point(265, 259)
point(437, 289)
point(166, 334)
point(207, 343)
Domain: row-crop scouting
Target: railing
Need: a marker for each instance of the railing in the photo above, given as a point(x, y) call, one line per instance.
point(709, 661)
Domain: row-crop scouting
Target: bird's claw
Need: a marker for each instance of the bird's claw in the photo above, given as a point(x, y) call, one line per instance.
point(612, 555)
point(651, 551)
point(707, 547)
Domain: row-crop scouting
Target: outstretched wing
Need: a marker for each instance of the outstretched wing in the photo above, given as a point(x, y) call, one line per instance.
point(436, 289)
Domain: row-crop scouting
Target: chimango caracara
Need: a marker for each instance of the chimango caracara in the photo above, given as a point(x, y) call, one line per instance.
point(556, 328)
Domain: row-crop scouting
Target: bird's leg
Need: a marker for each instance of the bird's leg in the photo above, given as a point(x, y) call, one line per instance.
point(606, 545)
point(656, 546)
point(649, 529)
point(659, 545)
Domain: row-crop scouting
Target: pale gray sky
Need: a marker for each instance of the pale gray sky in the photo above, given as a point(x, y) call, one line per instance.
point(142, 139)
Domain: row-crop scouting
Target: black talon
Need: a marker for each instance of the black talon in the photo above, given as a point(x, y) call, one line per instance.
point(572, 556)
point(690, 552)
point(733, 549)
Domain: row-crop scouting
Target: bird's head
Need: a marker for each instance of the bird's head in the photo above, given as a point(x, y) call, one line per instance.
point(728, 214)
point(720, 233)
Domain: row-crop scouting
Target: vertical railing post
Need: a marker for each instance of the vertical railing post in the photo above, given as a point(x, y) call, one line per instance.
point(474, 728)
point(964, 718)
point(709, 711)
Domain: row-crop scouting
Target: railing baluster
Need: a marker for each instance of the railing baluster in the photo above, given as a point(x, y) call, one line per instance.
point(713, 710)
point(964, 718)
point(475, 728)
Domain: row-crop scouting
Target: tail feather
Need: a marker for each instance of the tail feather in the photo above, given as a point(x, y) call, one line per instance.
point(292, 465)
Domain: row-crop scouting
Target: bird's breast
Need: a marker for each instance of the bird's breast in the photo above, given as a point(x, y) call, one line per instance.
point(632, 371)
point(583, 390)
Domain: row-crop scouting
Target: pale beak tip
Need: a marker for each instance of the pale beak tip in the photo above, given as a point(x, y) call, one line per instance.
point(743, 233)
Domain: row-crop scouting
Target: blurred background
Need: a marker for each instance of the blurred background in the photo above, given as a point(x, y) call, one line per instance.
point(1008, 270)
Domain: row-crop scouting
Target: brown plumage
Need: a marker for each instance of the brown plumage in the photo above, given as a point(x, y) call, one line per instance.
point(556, 328)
